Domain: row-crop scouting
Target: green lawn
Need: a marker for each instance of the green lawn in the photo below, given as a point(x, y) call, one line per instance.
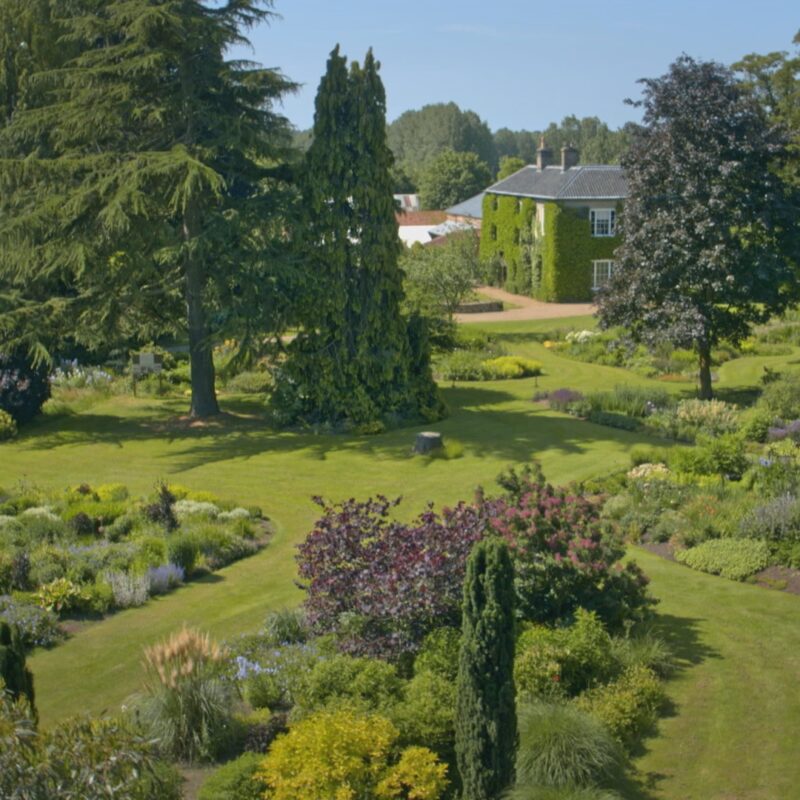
point(733, 731)
point(138, 442)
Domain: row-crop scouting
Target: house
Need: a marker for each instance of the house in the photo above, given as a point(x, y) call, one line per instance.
point(469, 212)
point(407, 202)
point(415, 226)
point(550, 230)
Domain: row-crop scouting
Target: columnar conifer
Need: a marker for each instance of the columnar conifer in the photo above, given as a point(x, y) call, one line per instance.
point(486, 721)
point(355, 360)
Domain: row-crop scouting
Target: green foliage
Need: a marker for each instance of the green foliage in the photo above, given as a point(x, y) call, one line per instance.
point(781, 398)
point(452, 177)
point(438, 279)
point(564, 661)
point(91, 759)
point(629, 706)
point(149, 191)
point(736, 559)
point(426, 714)
point(722, 455)
point(643, 650)
point(250, 382)
point(439, 653)
point(508, 166)
point(60, 595)
point(634, 401)
point(8, 427)
point(183, 551)
point(236, 780)
point(15, 678)
point(486, 722)
point(561, 746)
point(504, 220)
point(354, 682)
point(417, 137)
point(356, 360)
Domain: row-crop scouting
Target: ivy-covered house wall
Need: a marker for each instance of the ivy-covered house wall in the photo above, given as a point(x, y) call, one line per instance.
point(504, 219)
point(568, 249)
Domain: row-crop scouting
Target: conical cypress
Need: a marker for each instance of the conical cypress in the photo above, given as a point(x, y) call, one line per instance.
point(486, 720)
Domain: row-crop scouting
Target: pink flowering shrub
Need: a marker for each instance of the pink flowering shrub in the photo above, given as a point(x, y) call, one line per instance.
point(564, 558)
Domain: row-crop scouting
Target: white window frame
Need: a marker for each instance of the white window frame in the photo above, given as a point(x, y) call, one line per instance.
point(607, 266)
point(603, 221)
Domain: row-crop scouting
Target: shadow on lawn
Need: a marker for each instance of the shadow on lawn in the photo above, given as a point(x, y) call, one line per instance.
point(683, 637)
point(487, 421)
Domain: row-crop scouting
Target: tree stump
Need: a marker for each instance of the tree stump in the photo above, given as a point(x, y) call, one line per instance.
point(427, 442)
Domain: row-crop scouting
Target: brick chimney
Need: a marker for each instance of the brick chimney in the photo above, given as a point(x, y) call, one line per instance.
point(544, 155)
point(569, 157)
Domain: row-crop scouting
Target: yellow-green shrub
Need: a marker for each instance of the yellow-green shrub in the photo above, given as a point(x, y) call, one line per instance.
point(345, 755)
point(505, 367)
point(418, 775)
point(339, 755)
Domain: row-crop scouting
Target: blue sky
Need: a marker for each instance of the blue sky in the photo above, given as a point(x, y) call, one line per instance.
point(517, 63)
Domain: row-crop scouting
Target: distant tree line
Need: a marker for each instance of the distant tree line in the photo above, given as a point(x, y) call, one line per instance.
point(442, 138)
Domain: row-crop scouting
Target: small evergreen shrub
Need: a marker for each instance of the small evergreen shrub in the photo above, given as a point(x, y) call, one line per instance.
point(736, 559)
point(250, 382)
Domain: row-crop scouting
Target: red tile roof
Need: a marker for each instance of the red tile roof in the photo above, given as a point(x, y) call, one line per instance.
point(421, 217)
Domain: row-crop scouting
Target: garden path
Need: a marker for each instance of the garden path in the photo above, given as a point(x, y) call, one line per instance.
point(527, 308)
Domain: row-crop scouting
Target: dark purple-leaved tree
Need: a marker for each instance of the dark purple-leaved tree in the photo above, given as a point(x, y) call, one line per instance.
point(710, 235)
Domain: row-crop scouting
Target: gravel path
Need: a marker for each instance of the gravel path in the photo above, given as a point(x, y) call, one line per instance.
point(528, 308)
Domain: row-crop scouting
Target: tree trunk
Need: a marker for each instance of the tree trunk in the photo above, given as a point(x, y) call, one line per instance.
point(704, 351)
point(204, 396)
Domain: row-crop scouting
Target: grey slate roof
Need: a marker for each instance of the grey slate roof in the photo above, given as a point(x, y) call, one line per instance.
point(589, 182)
point(468, 208)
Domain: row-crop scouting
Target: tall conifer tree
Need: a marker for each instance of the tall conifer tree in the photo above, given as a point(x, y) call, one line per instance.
point(486, 718)
point(357, 359)
point(137, 186)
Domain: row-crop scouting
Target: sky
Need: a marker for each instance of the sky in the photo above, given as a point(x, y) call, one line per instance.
point(519, 64)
